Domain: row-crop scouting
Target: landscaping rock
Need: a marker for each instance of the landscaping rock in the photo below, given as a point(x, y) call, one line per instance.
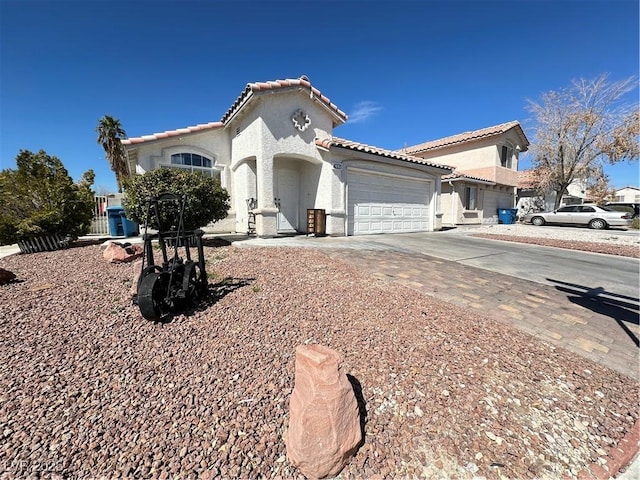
point(6, 276)
point(324, 423)
point(122, 253)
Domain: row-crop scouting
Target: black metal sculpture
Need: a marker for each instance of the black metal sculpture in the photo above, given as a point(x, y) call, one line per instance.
point(178, 282)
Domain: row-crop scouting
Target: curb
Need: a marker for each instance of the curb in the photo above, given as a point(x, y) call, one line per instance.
point(619, 457)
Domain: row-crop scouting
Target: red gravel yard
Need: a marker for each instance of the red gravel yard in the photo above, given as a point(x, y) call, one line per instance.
point(88, 388)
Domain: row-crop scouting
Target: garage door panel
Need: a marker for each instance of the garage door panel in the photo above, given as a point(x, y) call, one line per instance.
point(387, 204)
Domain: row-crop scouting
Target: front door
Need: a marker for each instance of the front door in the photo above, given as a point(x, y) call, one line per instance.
point(287, 200)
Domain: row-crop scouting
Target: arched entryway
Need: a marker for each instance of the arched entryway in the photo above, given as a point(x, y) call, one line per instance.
point(296, 184)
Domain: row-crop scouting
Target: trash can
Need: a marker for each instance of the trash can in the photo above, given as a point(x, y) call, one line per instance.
point(115, 215)
point(129, 228)
point(506, 216)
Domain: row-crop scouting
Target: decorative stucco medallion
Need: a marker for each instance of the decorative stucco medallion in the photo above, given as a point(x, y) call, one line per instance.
point(300, 120)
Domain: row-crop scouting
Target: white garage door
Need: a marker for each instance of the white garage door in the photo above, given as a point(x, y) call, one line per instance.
point(387, 204)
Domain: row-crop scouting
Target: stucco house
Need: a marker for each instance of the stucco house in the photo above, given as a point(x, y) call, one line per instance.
point(274, 151)
point(627, 195)
point(485, 178)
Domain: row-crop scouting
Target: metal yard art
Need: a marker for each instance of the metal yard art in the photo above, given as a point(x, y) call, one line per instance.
point(180, 281)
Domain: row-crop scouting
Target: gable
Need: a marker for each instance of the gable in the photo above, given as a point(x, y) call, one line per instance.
point(254, 91)
point(466, 138)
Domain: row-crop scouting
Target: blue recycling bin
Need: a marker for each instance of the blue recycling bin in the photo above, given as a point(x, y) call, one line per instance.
point(129, 228)
point(119, 224)
point(114, 214)
point(507, 215)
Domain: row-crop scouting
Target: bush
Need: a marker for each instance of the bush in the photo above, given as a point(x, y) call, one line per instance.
point(206, 201)
point(39, 198)
point(636, 223)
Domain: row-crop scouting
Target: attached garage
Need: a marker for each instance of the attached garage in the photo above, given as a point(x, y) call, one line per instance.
point(386, 203)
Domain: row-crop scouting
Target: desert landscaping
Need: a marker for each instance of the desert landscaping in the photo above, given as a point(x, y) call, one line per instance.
point(91, 389)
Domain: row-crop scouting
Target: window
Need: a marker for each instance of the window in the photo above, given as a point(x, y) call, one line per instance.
point(470, 198)
point(194, 163)
point(572, 208)
point(587, 209)
point(191, 159)
point(506, 156)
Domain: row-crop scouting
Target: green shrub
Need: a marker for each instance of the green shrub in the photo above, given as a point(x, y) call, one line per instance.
point(206, 201)
point(636, 224)
point(39, 198)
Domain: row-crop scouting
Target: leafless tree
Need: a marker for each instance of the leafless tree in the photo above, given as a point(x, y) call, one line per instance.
point(581, 128)
point(598, 188)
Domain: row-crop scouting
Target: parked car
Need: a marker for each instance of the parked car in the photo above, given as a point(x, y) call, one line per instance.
point(591, 215)
point(633, 208)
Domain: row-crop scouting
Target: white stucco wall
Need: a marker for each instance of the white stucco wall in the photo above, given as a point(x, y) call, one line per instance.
point(212, 143)
point(265, 132)
point(471, 155)
point(628, 195)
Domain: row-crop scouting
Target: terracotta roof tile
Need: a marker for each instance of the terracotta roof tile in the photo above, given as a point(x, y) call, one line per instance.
point(527, 180)
point(327, 143)
point(464, 176)
point(244, 97)
point(303, 82)
point(172, 133)
point(466, 137)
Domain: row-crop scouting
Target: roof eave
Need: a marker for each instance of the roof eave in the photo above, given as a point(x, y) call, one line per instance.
point(444, 169)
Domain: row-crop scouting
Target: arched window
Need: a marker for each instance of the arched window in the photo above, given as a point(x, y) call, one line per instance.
point(195, 163)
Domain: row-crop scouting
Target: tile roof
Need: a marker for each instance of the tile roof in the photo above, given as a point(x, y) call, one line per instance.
point(464, 176)
point(327, 143)
point(467, 137)
point(527, 180)
point(172, 133)
point(245, 96)
point(302, 82)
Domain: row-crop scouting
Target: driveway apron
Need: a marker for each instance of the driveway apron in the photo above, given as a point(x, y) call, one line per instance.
point(600, 327)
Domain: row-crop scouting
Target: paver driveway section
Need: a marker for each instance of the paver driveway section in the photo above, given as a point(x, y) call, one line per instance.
point(596, 325)
point(594, 322)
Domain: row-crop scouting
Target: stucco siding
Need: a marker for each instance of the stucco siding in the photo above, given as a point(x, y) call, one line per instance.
point(480, 158)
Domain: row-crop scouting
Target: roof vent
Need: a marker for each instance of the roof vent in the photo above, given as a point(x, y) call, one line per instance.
point(304, 77)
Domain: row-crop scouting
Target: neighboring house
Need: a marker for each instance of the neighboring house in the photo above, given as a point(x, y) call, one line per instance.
point(274, 151)
point(485, 177)
point(627, 195)
point(530, 200)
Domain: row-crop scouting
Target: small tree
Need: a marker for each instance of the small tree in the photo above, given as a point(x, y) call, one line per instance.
point(580, 129)
point(110, 135)
point(206, 200)
point(40, 198)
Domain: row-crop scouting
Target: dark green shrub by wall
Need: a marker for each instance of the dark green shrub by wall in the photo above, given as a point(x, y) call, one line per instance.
point(206, 200)
point(40, 199)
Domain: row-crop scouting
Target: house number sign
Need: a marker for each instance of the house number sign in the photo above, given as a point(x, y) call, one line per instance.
point(300, 120)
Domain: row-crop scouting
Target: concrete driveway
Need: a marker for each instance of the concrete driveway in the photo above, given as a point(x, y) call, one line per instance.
point(546, 265)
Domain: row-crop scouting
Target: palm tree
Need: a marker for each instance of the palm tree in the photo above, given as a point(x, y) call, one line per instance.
point(110, 134)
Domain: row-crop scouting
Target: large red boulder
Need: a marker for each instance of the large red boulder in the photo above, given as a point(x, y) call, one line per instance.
point(324, 419)
point(122, 252)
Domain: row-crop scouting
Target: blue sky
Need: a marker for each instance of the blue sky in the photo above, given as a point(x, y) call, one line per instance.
point(405, 71)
